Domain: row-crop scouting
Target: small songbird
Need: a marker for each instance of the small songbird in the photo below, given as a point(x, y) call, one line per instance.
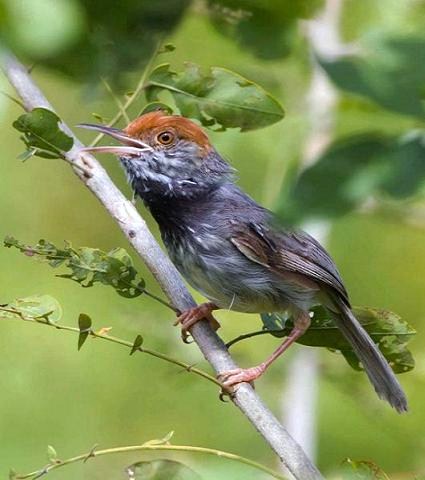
point(231, 249)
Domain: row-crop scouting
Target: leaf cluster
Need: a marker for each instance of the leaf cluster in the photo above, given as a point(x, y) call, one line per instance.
point(386, 328)
point(88, 266)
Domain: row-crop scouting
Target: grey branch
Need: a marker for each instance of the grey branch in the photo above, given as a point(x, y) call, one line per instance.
point(138, 234)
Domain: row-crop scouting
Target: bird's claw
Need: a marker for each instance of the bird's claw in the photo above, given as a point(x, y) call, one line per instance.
point(189, 317)
point(236, 376)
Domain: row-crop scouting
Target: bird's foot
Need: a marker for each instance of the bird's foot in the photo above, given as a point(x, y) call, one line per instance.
point(189, 317)
point(234, 377)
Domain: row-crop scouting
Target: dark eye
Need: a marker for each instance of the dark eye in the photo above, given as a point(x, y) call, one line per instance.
point(166, 138)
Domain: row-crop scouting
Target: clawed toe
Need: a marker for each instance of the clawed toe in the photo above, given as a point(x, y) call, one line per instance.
point(234, 377)
point(188, 318)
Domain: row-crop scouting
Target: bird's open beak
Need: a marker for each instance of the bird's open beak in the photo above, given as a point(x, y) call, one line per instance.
point(129, 145)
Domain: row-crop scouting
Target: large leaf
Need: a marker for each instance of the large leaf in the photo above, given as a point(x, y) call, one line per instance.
point(390, 72)
point(386, 329)
point(161, 469)
point(42, 134)
point(217, 97)
point(88, 265)
point(354, 169)
point(268, 28)
point(36, 307)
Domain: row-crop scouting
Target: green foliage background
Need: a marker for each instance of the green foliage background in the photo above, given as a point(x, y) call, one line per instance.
point(53, 395)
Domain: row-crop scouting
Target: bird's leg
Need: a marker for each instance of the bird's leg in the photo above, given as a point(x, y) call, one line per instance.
point(239, 375)
point(188, 318)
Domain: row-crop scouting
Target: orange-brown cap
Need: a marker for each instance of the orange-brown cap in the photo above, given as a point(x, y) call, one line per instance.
point(150, 124)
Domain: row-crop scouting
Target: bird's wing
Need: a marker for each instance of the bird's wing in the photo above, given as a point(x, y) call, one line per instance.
point(289, 251)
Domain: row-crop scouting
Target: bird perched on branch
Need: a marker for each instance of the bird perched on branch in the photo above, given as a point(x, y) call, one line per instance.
point(231, 249)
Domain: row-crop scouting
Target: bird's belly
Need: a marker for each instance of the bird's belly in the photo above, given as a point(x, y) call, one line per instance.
point(233, 282)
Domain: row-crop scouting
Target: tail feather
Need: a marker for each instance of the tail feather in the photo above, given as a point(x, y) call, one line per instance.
point(379, 372)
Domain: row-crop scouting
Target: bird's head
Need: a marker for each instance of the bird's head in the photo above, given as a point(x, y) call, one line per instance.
point(165, 155)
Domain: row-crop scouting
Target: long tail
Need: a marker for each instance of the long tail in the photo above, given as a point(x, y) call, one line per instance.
point(379, 372)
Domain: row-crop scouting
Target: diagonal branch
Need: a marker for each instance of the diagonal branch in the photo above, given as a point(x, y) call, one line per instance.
point(135, 229)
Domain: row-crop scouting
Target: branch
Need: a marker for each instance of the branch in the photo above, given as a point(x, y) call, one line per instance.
point(148, 446)
point(138, 234)
point(103, 334)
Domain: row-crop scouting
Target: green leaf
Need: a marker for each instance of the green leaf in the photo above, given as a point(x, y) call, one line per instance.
point(43, 308)
point(42, 133)
point(161, 470)
point(52, 456)
point(154, 106)
point(84, 324)
point(390, 72)
point(267, 29)
point(352, 170)
point(362, 470)
point(386, 329)
point(218, 97)
point(161, 441)
point(88, 266)
point(138, 341)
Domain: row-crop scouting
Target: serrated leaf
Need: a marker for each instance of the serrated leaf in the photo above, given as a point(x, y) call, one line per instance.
point(386, 329)
point(84, 324)
point(52, 456)
point(88, 266)
point(161, 469)
point(138, 341)
point(36, 307)
point(42, 133)
point(218, 97)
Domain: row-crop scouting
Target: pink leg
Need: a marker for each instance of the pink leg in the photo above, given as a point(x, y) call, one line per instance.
point(239, 375)
point(189, 317)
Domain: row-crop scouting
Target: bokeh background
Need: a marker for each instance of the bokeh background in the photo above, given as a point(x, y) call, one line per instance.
point(347, 162)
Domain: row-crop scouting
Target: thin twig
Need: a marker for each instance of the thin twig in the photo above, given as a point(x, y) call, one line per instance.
point(138, 234)
point(150, 447)
point(97, 334)
point(117, 101)
point(140, 86)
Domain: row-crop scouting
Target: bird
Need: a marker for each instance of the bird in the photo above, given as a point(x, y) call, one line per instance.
point(231, 249)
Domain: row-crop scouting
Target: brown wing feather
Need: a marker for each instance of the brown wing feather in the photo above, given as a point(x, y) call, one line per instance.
point(285, 252)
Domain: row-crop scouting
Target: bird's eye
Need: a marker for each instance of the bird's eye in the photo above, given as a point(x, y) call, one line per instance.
point(166, 138)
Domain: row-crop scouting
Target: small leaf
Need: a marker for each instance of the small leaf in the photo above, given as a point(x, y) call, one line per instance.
point(42, 133)
point(168, 47)
point(218, 97)
point(84, 324)
point(98, 117)
point(155, 106)
point(138, 341)
point(52, 456)
point(161, 441)
point(161, 470)
point(362, 470)
point(13, 474)
point(40, 308)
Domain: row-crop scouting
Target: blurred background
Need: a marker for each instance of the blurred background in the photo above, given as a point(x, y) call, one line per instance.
point(347, 163)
